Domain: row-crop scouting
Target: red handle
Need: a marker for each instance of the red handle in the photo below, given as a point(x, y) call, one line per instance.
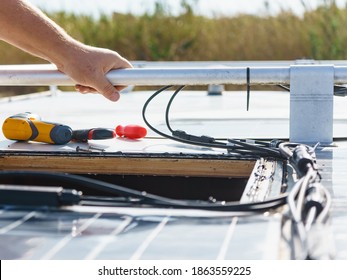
point(131, 131)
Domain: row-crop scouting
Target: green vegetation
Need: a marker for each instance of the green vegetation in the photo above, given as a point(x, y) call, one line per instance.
point(318, 34)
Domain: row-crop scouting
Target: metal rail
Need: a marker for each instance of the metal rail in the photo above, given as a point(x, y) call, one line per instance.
point(33, 75)
point(26, 76)
point(311, 86)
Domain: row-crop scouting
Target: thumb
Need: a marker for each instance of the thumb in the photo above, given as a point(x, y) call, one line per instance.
point(107, 90)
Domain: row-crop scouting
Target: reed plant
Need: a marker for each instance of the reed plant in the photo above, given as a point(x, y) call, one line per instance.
point(319, 33)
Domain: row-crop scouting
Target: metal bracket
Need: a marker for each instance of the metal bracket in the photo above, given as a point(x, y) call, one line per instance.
point(311, 103)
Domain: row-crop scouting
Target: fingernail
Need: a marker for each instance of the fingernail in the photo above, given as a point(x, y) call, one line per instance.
point(114, 96)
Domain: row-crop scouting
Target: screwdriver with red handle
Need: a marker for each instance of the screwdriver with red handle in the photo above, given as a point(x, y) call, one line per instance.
point(131, 131)
point(83, 135)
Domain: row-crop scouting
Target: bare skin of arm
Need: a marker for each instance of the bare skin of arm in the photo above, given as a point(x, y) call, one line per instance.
point(27, 28)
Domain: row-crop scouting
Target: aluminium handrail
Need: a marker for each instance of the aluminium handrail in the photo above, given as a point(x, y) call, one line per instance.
point(34, 75)
point(26, 76)
point(311, 87)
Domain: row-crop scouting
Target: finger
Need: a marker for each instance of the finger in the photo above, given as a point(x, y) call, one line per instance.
point(107, 89)
point(85, 89)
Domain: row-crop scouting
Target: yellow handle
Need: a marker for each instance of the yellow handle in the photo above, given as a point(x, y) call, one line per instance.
point(44, 131)
point(19, 127)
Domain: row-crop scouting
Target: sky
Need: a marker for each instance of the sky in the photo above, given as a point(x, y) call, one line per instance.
point(204, 7)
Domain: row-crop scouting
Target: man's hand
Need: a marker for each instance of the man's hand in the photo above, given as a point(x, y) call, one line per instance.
point(88, 67)
point(28, 28)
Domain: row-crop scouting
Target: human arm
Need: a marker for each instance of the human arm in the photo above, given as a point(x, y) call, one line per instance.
point(27, 28)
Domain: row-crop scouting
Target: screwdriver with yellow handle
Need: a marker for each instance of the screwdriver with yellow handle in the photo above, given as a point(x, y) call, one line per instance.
point(29, 127)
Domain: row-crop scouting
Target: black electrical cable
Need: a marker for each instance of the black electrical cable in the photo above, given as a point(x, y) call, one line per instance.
point(167, 115)
point(168, 107)
point(143, 199)
point(309, 202)
point(242, 143)
point(168, 125)
point(235, 146)
point(81, 181)
point(144, 110)
point(271, 152)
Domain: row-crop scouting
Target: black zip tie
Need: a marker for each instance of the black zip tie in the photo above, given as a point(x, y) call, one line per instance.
point(248, 87)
